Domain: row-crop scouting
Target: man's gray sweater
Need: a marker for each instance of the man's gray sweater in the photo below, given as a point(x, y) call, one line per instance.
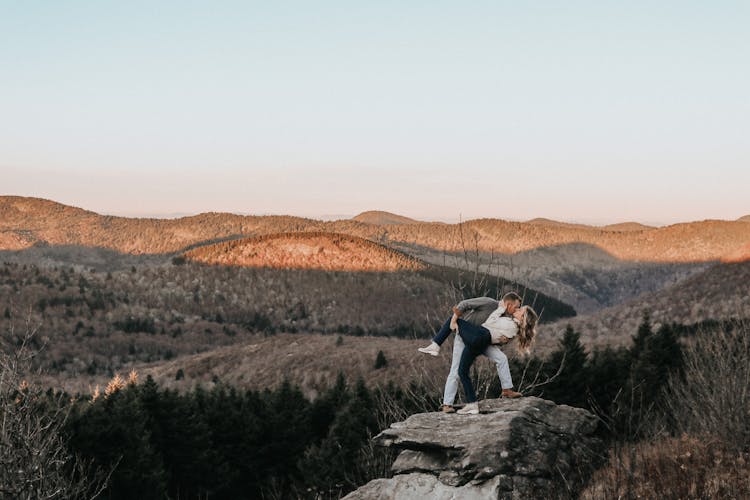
point(477, 310)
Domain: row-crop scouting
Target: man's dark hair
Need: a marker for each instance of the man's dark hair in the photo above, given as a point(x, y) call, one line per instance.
point(512, 296)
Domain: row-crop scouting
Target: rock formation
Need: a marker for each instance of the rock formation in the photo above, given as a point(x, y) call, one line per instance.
point(514, 449)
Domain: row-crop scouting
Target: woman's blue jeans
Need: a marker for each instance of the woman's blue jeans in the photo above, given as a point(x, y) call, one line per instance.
point(476, 339)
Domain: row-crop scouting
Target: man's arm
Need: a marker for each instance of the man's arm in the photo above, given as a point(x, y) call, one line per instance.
point(471, 304)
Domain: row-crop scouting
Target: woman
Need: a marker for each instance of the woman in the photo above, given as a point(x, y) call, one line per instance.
point(497, 329)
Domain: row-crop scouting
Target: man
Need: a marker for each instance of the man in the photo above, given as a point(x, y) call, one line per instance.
point(475, 311)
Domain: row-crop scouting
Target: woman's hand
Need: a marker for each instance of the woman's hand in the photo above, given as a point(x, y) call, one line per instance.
point(454, 322)
point(503, 340)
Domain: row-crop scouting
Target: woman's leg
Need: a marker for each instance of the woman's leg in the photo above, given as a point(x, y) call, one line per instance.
point(475, 337)
point(467, 359)
point(443, 333)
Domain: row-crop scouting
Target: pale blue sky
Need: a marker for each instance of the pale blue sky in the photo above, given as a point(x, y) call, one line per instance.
point(596, 111)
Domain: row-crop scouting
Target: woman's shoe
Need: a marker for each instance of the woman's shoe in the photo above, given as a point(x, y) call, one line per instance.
point(433, 349)
point(469, 409)
point(510, 393)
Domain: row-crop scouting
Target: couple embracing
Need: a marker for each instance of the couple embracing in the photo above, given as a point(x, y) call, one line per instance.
point(483, 325)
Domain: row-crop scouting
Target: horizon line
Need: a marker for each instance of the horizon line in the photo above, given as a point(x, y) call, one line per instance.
point(329, 217)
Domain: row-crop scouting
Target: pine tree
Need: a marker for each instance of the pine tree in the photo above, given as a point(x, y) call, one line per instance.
point(570, 387)
point(608, 372)
point(115, 430)
point(641, 337)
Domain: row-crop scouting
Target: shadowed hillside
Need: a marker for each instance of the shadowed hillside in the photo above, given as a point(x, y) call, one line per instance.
point(383, 218)
point(578, 274)
point(721, 292)
point(327, 251)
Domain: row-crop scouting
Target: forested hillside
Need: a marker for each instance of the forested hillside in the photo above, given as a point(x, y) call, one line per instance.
point(95, 323)
point(722, 292)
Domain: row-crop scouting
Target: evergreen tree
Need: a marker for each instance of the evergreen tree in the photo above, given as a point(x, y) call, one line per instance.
point(114, 431)
point(641, 337)
point(380, 361)
point(570, 387)
point(328, 466)
point(608, 372)
point(653, 361)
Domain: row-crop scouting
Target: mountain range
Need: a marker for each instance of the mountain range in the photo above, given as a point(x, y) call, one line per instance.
point(28, 221)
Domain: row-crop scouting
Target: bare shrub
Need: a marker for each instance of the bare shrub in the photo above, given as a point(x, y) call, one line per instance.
point(34, 460)
point(713, 395)
point(672, 468)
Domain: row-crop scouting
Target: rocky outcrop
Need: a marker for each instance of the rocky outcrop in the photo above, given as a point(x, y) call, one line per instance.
point(514, 449)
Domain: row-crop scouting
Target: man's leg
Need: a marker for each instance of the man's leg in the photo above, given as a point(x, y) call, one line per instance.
point(451, 383)
point(503, 368)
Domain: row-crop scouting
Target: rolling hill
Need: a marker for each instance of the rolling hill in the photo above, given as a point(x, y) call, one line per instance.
point(308, 250)
point(541, 221)
point(380, 218)
point(627, 226)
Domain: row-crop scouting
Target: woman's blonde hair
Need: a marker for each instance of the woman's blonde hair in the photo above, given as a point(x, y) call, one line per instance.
point(527, 330)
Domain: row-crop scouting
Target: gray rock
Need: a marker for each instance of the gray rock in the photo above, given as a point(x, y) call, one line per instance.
point(419, 485)
point(515, 448)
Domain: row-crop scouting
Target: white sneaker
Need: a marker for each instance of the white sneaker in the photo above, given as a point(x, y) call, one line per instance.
point(469, 409)
point(432, 349)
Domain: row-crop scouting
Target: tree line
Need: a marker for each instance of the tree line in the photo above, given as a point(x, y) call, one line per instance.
point(275, 443)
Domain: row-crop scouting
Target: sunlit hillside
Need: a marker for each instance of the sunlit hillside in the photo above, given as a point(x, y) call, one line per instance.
point(627, 226)
point(308, 250)
point(378, 217)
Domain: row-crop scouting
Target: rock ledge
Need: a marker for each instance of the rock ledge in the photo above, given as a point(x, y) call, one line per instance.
point(515, 448)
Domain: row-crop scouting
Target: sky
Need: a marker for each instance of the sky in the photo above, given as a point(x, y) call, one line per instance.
point(586, 111)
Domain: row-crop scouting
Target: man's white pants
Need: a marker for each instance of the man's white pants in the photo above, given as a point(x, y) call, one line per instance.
point(493, 352)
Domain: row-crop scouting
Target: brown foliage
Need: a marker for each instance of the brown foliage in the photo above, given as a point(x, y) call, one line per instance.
point(673, 468)
point(34, 459)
